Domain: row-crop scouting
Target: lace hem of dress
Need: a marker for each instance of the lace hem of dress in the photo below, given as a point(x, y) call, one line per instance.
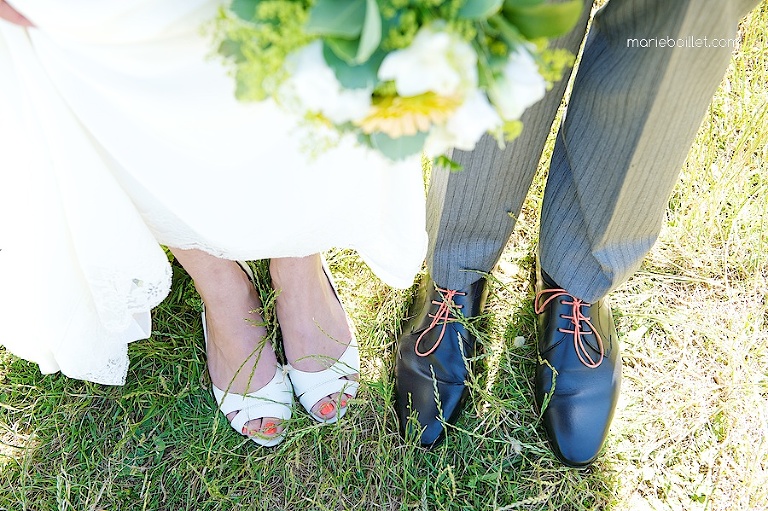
point(120, 294)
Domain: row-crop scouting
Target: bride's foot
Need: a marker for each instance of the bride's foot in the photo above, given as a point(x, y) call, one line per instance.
point(240, 357)
point(315, 333)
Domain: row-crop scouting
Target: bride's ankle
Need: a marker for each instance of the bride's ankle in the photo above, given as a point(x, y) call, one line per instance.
point(227, 289)
point(286, 271)
point(239, 350)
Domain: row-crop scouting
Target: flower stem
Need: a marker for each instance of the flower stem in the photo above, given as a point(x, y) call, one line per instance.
point(508, 32)
point(485, 75)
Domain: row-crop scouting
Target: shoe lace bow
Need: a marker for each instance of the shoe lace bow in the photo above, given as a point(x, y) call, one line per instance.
point(576, 318)
point(442, 317)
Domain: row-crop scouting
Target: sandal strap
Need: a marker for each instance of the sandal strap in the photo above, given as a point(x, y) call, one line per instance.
point(248, 271)
point(311, 387)
point(272, 400)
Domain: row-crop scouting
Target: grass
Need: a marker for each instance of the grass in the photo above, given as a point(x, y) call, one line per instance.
point(690, 430)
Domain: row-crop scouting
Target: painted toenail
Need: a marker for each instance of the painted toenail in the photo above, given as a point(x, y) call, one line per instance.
point(327, 409)
point(343, 403)
point(246, 431)
point(270, 428)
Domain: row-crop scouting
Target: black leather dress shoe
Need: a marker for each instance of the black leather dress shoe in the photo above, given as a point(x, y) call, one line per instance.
point(432, 354)
point(579, 372)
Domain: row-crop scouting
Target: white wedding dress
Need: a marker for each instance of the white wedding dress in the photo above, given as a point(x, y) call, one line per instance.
point(119, 131)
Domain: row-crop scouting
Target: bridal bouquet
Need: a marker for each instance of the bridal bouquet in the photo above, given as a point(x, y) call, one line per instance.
point(404, 76)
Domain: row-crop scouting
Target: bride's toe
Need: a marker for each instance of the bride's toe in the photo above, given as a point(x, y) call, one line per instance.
point(328, 406)
point(267, 428)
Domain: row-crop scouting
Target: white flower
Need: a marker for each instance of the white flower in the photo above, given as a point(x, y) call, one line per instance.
point(435, 61)
point(314, 85)
point(465, 127)
point(520, 86)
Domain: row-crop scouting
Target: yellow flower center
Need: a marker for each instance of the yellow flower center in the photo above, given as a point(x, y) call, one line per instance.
point(397, 116)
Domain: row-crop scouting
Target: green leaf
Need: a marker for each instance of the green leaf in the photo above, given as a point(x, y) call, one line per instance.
point(356, 51)
point(246, 91)
point(512, 130)
point(479, 9)
point(370, 38)
point(245, 9)
point(398, 148)
point(522, 3)
point(345, 49)
point(337, 18)
point(354, 76)
point(232, 50)
point(545, 20)
point(443, 161)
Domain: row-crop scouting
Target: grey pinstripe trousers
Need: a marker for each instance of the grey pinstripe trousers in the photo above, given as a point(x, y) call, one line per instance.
point(631, 119)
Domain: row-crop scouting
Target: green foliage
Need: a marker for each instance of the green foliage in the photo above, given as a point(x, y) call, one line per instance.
point(479, 9)
point(354, 76)
point(553, 62)
point(337, 18)
point(245, 9)
point(401, 30)
point(543, 20)
point(398, 148)
point(370, 38)
point(443, 161)
point(257, 38)
point(512, 130)
point(351, 29)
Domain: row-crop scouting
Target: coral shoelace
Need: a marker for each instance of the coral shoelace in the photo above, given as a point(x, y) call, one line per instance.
point(576, 318)
point(442, 316)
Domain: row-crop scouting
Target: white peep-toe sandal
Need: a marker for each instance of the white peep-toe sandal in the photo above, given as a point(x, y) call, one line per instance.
point(311, 387)
point(275, 399)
